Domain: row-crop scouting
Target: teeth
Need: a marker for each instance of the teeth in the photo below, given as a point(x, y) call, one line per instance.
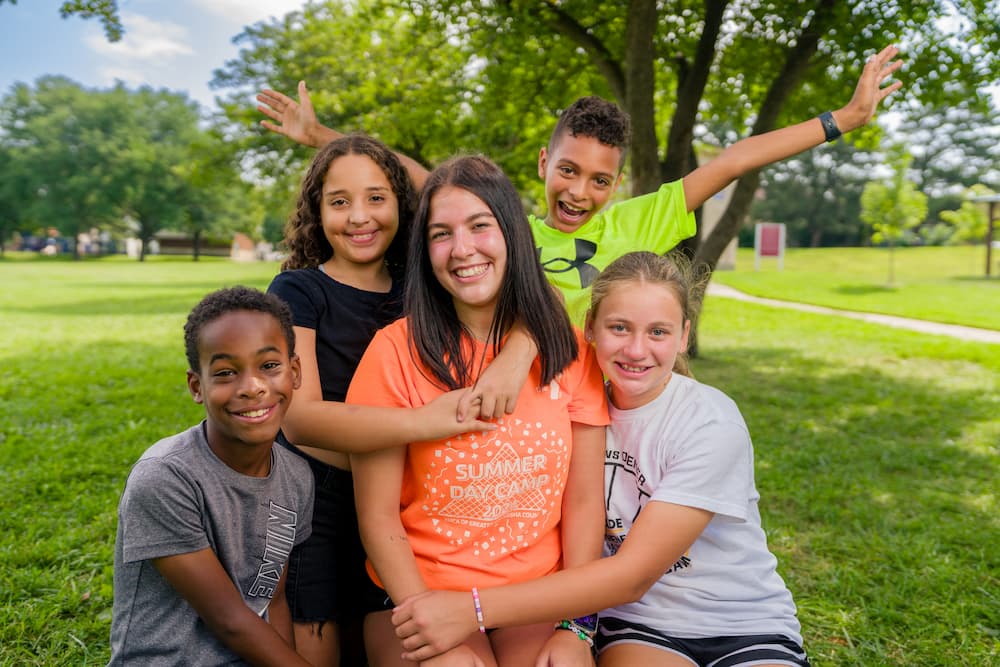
point(363, 237)
point(571, 209)
point(633, 369)
point(471, 271)
point(254, 413)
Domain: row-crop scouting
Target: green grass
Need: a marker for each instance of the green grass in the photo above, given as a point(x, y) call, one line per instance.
point(877, 458)
point(942, 284)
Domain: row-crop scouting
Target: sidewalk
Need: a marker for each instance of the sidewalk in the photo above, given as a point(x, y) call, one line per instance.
point(923, 326)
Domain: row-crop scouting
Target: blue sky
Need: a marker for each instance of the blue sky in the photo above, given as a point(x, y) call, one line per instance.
point(173, 44)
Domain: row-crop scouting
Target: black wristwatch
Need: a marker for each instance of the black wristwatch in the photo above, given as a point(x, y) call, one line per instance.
point(830, 129)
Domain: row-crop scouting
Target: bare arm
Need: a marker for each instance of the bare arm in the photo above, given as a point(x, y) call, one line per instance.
point(378, 479)
point(763, 149)
point(278, 613)
point(499, 385)
point(436, 620)
point(201, 580)
point(298, 122)
point(583, 501)
point(313, 422)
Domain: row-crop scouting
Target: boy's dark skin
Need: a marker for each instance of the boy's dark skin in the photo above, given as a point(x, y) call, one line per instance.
point(245, 380)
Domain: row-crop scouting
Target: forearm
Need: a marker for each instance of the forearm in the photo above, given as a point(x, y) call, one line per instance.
point(250, 637)
point(599, 584)
point(389, 550)
point(320, 135)
point(348, 428)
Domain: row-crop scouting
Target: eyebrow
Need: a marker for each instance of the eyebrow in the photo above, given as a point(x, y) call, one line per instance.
point(474, 216)
point(226, 356)
point(371, 188)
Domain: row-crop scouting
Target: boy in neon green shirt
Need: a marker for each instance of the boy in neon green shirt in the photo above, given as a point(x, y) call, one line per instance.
point(582, 168)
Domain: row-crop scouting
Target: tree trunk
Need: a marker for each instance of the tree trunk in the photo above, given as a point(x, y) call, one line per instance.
point(640, 92)
point(791, 75)
point(196, 245)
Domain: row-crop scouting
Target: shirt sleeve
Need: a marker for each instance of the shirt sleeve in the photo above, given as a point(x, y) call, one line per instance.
point(380, 379)
point(657, 221)
point(711, 470)
point(297, 293)
point(589, 404)
point(161, 513)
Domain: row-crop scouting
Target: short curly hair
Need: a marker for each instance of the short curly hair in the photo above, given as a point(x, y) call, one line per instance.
point(304, 236)
point(595, 117)
point(229, 300)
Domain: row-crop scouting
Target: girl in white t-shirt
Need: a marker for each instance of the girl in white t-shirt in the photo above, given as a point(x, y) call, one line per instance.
point(687, 578)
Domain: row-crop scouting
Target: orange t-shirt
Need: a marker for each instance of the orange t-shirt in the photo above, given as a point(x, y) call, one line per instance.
point(484, 509)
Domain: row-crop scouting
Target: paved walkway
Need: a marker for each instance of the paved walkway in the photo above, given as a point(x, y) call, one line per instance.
point(923, 326)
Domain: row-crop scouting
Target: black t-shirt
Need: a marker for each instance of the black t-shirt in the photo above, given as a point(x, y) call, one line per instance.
point(345, 320)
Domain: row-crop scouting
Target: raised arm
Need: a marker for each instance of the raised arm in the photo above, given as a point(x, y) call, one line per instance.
point(313, 422)
point(761, 150)
point(201, 580)
point(298, 122)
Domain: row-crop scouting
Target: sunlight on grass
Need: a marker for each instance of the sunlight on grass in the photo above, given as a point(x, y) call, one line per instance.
point(876, 450)
point(943, 284)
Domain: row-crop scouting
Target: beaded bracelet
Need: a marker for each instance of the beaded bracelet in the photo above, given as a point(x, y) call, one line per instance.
point(479, 609)
point(566, 624)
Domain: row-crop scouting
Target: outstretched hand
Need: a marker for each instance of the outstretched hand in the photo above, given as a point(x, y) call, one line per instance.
point(433, 622)
point(295, 120)
point(869, 91)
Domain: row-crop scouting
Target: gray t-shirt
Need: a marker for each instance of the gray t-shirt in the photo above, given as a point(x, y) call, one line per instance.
point(180, 498)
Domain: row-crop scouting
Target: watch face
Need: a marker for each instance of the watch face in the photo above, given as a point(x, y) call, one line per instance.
point(588, 623)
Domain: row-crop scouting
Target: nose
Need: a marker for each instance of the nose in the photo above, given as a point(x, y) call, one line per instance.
point(462, 244)
point(635, 347)
point(577, 189)
point(252, 386)
point(358, 214)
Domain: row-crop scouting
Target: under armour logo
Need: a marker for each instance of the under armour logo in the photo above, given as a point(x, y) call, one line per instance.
point(584, 250)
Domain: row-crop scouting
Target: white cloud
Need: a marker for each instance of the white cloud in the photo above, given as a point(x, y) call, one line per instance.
point(145, 39)
point(246, 12)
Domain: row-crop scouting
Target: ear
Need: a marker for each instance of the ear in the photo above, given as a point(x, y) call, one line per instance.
point(684, 337)
point(543, 160)
point(588, 328)
point(296, 367)
point(194, 386)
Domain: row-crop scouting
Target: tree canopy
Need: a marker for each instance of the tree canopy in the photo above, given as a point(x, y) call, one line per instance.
point(436, 76)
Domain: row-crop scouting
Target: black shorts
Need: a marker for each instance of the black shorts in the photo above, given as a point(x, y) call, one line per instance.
point(715, 651)
point(326, 579)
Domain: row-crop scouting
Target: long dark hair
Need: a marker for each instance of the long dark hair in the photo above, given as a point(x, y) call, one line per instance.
point(307, 244)
point(525, 296)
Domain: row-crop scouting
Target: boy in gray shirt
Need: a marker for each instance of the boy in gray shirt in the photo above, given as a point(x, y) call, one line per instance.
point(208, 516)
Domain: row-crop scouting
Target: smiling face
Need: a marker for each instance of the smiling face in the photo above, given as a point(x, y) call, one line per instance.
point(580, 175)
point(638, 330)
point(245, 380)
point(359, 211)
point(468, 254)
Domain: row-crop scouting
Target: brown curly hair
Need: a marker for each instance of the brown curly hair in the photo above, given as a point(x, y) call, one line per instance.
point(307, 244)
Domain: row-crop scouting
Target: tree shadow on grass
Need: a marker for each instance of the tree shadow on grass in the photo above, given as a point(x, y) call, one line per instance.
point(863, 290)
point(879, 490)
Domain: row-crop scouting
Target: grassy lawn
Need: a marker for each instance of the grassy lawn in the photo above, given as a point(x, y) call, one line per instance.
point(877, 458)
point(943, 284)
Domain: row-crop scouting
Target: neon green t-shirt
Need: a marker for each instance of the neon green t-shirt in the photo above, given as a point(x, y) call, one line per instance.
point(656, 222)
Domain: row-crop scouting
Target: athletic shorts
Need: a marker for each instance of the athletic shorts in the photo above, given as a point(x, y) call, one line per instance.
point(705, 652)
point(327, 580)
